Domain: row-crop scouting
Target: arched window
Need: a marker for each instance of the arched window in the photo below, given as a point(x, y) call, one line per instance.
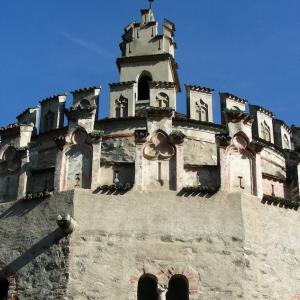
point(147, 288)
point(286, 142)
point(121, 107)
point(266, 131)
point(49, 121)
point(235, 108)
point(143, 87)
point(162, 100)
point(202, 110)
point(178, 288)
point(3, 289)
point(85, 103)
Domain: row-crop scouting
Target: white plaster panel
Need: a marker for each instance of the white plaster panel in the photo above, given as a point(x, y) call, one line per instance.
point(170, 92)
point(284, 133)
point(261, 117)
point(270, 186)
point(129, 93)
point(159, 70)
point(200, 153)
point(232, 104)
point(193, 98)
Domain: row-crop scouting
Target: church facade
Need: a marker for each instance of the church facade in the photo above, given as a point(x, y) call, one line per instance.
point(149, 203)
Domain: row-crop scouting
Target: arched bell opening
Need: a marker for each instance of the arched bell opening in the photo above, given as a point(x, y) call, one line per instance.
point(4, 287)
point(178, 288)
point(144, 86)
point(147, 288)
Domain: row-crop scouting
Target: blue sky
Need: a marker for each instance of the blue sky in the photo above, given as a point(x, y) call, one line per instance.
point(248, 48)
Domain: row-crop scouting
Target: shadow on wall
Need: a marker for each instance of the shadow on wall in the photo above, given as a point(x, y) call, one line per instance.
point(20, 208)
point(35, 251)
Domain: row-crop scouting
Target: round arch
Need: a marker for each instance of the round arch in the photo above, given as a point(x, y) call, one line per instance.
point(144, 80)
point(147, 287)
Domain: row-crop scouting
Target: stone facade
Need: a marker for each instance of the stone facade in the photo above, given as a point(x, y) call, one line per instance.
point(149, 203)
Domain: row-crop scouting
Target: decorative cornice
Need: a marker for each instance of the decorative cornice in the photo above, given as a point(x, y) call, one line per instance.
point(284, 125)
point(122, 84)
point(197, 88)
point(27, 110)
point(159, 111)
point(87, 89)
point(198, 191)
point(233, 97)
point(10, 128)
point(73, 113)
point(274, 177)
point(284, 202)
point(162, 84)
point(262, 110)
point(52, 98)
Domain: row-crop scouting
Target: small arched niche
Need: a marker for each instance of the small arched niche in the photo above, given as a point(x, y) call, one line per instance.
point(78, 161)
point(162, 100)
point(241, 169)
point(10, 168)
point(147, 288)
point(144, 86)
point(160, 162)
point(4, 286)
point(178, 288)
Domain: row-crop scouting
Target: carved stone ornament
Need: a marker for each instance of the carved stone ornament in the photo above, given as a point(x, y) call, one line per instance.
point(240, 142)
point(159, 147)
point(10, 161)
point(140, 136)
point(96, 135)
point(60, 142)
point(177, 137)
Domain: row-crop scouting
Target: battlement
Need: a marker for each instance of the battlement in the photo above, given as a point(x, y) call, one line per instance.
point(145, 144)
point(177, 152)
point(150, 202)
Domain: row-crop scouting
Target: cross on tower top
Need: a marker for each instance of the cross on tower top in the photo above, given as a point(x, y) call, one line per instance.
point(150, 2)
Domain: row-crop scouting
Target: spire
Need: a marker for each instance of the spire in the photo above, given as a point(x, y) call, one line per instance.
point(150, 2)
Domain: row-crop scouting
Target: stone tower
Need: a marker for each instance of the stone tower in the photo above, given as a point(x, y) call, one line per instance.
point(149, 203)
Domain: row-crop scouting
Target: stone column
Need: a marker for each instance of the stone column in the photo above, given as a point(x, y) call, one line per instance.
point(59, 166)
point(259, 180)
point(140, 139)
point(162, 292)
point(97, 143)
point(139, 167)
point(223, 170)
point(179, 167)
point(22, 187)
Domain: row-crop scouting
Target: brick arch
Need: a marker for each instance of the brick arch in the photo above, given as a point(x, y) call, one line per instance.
point(164, 275)
point(191, 275)
point(10, 276)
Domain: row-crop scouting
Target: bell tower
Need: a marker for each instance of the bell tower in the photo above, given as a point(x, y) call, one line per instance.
point(148, 71)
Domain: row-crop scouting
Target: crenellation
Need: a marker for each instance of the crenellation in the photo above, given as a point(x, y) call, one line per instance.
point(100, 208)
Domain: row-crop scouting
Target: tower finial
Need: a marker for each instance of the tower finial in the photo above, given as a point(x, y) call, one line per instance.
point(150, 1)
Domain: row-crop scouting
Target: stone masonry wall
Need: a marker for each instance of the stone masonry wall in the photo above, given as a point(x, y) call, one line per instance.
point(272, 251)
point(33, 248)
point(120, 238)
